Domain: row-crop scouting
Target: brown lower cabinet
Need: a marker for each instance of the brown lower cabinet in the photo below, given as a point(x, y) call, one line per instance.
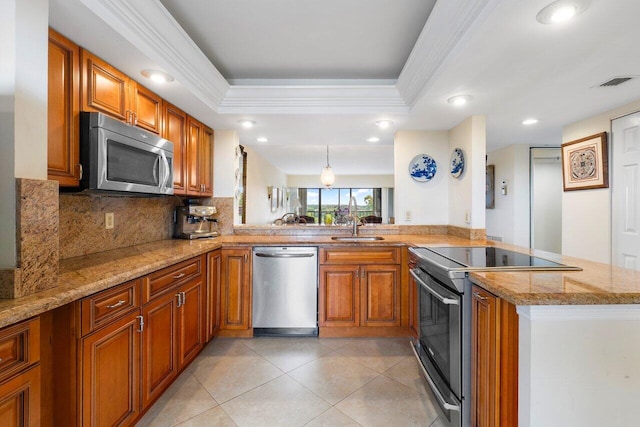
point(111, 373)
point(360, 289)
point(116, 352)
point(20, 374)
point(494, 361)
point(235, 292)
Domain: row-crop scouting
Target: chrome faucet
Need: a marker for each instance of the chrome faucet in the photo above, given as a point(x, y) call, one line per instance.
point(353, 214)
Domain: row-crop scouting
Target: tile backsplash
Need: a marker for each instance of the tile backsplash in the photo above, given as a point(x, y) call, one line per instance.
point(137, 220)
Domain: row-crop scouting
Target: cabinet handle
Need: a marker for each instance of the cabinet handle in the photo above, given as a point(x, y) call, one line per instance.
point(480, 297)
point(179, 295)
point(246, 258)
point(135, 118)
point(179, 276)
point(80, 171)
point(184, 298)
point(141, 319)
point(118, 304)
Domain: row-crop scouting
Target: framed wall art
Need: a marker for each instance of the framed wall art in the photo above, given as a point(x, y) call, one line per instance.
point(585, 163)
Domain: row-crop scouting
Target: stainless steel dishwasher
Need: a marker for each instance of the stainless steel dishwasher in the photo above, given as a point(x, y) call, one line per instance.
point(285, 290)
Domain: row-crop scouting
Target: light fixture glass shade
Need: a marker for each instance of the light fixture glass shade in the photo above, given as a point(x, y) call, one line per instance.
point(327, 177)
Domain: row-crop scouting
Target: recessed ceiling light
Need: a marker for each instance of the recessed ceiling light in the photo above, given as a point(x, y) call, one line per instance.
point(384, 124)
point(561, 11)
point(262, 139)
point(247, 124)
point(459, 100)
point(373, 139)
point(529, 122)
point(157, 76)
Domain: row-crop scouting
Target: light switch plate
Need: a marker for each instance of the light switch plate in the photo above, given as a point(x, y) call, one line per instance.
point(108, 221)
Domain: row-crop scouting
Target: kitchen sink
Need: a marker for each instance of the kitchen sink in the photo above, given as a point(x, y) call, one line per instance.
point(357, 238)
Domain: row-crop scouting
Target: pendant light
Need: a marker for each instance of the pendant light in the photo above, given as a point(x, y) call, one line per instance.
point(327, 177)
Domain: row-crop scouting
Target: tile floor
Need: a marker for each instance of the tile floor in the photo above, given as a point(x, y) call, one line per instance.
point(298, 382)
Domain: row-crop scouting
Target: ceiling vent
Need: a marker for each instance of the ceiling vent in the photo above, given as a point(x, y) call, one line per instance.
point(615, 81)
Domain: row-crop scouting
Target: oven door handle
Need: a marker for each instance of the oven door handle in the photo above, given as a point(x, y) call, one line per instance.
point(447, 301)
point(436, 392)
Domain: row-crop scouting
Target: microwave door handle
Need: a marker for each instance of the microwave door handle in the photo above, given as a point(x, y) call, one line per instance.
point(156, 166)
point(447, 301)
point(165, 171)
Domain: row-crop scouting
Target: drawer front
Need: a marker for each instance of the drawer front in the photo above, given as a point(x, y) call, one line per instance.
point(19, 347)
point(164, 280)
point(360, 255)
point(106, 306)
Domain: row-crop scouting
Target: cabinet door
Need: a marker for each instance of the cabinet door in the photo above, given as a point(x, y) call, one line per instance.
point(194, 139)
point(159, 346)
point(485, 360)
point(104, 89)
point(191, 325)
point(339, 299)
point(235, 303)
point(214, 270)
point(147, 108)
point(175, 129)
point(110, 374)
point(20, 400)
point(380, 295)
point(63, 157)
point(206, 162)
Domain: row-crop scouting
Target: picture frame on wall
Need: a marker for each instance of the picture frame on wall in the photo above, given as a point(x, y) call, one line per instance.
point(490, 192)
point(585, 163)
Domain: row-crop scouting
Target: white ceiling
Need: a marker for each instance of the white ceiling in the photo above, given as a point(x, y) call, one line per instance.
point(317, 73)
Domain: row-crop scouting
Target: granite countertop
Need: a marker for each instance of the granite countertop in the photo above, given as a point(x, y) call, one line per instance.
point(85, 275)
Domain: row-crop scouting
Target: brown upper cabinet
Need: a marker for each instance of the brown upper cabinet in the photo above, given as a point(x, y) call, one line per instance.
point(199, 161)
point(109, 91)
point(175, 129)
point(63, 157)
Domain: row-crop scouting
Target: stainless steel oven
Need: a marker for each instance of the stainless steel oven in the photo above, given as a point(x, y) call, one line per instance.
point(444, 338)
point(443, 347)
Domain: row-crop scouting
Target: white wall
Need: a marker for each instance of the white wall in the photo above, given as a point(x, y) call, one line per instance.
point(225, 162)
point(510, 217)
point(424, 202)
point(586, 219)
point(578, 366)
point(342, 181)
point(467, 194)
point(260, 175)
point(23, 107)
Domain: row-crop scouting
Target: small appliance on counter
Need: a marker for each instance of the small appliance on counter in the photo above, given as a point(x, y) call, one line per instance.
point(195, 222)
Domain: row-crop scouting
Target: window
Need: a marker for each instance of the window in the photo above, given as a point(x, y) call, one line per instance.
point(328, 206)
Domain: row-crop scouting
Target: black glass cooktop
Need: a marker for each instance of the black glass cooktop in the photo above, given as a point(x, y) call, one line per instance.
point(492, 258)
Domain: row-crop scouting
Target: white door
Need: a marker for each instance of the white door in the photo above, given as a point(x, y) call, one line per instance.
point(625, 191)
point(546, 199)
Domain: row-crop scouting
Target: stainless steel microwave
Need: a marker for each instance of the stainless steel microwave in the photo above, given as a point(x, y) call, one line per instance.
point(122, 158)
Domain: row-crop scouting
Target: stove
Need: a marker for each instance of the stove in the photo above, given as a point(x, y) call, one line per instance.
point(443, 346)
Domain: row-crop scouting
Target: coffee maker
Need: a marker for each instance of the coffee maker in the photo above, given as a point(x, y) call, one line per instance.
point(195, 222)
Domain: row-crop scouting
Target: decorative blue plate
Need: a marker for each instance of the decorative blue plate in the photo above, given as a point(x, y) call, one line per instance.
point(457, 163)
point(422, 168)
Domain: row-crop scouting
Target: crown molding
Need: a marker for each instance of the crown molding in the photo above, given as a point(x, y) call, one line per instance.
point(313, 99)
point(447, 24)
point(148, 26)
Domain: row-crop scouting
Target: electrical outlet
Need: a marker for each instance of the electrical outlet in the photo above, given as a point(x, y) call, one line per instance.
point(467, 217)
point(108, 221)
point(407, 215)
